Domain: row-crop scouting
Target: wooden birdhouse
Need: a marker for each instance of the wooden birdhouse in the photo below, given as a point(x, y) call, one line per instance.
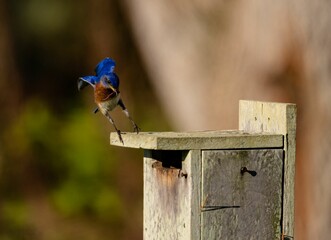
point(236, 184)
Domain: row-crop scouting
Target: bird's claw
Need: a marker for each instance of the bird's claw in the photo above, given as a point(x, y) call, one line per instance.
point(120, 136)
point(136, 128)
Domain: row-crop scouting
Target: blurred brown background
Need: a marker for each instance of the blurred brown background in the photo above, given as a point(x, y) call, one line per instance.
point(184, 65)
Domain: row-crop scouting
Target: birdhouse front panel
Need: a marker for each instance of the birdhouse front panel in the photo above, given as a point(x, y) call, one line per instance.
point(242, 193)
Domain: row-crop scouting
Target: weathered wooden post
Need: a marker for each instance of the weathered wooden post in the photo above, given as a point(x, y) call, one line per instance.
point(221, 184)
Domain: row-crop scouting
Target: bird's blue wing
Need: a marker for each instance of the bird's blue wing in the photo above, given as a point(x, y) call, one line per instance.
point(105, 67)
point(84, 81)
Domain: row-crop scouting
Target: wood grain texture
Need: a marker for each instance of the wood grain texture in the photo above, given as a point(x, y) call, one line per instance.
point(171, 200)
point(238, 204)
point(232, 139)
point(277, 118)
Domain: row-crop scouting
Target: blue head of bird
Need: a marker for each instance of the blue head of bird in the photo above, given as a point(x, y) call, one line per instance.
point(108, 82)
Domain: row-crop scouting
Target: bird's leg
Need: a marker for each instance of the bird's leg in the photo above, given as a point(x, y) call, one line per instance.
point(96, 110)
point(126, 112)
point(134, 125)
point(113, 123)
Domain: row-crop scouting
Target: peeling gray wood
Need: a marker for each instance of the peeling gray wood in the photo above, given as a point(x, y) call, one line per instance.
point(171, 200)
point(238, 204)
point(197, 140)
point(277, 118)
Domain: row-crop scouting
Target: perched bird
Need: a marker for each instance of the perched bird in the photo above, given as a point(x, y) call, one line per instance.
point(106, 91)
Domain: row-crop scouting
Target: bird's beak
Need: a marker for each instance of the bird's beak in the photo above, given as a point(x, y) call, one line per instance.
point(111, 87)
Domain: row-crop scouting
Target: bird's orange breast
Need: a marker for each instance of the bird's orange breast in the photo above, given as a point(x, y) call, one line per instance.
point(102, 94)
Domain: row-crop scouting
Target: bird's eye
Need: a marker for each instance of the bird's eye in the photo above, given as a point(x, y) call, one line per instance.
point(107, 80)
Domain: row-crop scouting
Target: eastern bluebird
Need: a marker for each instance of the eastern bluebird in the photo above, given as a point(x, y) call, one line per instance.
point(106, 91)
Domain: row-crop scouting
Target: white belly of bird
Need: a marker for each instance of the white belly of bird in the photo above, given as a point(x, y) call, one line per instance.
point(110, 104)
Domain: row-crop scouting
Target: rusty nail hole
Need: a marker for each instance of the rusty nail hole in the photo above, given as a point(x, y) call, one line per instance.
point(181, 174)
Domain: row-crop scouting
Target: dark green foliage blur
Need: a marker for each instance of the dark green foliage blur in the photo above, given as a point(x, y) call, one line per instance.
point(59, 177)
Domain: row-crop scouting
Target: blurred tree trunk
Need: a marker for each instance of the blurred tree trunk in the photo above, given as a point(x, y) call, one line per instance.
point(9, 76)
point(203, 56)
point(10, 94)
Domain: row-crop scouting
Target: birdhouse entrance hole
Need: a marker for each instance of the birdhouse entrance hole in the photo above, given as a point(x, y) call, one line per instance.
point(169, 158)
